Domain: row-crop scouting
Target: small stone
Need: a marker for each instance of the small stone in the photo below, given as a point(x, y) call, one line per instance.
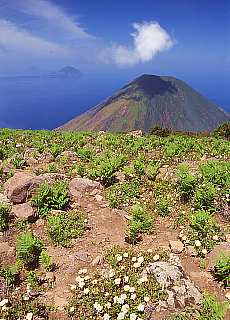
point(191, 251)
point(23, 211)
point(227, 295)
point(83, 256)
point(4, 302)
point(98, 260)
point(176, 246)
point(156, 257)
point(99, 198)
point(50, 277)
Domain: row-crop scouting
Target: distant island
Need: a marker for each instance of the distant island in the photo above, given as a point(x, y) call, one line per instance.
point(67, 72)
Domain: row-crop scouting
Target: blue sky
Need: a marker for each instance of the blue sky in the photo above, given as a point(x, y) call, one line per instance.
point(120, 39)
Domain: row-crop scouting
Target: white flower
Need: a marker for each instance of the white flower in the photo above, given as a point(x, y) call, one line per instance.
point(140, 260)
point(133, 296)
point(125, 255)
point(215, 238)
point(106, 316)
point(111, 273)
point(126, 278)
point(134, 259)
point(136, 265)
point(119, 258)
point(204, 251)
point(86, 291)
point(71, 309)
point(146, 299)
point(123, 296)
point(108, 305)
point(126, 287)
point(81, 284)
point(132, 289)
point(141, 307)
point(29, 316)
point(125, 308)
point(115, 299)
point(121, 316)
point(98, 307)
point(184, 238)
point(84, 271)
point(156, 257)
point(133, 316)
point(149, 250)
point(143, 279)
point(117, 281)
point(197, 243)
point(87, 278)
point(107, 294)
point(79, 279)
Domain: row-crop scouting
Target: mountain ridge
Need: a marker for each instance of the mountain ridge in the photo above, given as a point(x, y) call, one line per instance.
point(151, 100)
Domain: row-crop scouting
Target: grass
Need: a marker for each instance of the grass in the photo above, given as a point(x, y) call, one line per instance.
point(4, 216)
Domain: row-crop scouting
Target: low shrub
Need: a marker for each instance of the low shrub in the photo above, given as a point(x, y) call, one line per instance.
point(46, 261)
point(65, 226)
point(140, 222)
point(205, 196)
point(4, 216)
point(122, 193)
point(51, 197)
point(212, 309)
point(28, 249)
point(222, 269)
point(186, 182)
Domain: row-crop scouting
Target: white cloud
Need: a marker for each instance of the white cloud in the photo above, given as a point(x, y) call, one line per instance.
point(149, 39)
point(54, 14)
point(16, 40)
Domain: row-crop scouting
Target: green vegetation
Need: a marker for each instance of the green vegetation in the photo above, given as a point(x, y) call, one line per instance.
point(51, 197)
point(65, 226)
point(222, 269)
point(140, 222)
point(28, 249)
point(187, 182)
point(211, 309)
point(46, 261)
point(122, 193)
point(4, 216)
point(10, 274)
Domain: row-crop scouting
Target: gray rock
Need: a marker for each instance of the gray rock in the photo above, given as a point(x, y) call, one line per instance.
point(172, 278)
point(23, 211)
point(176, 246)
point(79, 186)
point(45, 157)
point(16, 187)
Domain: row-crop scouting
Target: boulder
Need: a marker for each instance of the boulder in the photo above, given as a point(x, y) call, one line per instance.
point(69, 155)
point(79, 186)
point(171, 277)
point(29, 156)
point(16, 187)
point(176, 246)
point(23, 211)
point(6, 249)
point(49, 178)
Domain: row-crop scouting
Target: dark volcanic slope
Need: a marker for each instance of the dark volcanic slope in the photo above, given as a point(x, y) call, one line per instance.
point(151, 100)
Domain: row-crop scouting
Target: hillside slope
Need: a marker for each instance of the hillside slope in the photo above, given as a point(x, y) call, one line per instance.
point(151, 100)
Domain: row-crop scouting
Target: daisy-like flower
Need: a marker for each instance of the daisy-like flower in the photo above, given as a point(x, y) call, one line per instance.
point(79, 279)
point(115, 299)
point(143, 279)
point(123, 296)
point(197, 243)
point(106, 316)
point(146, 299)
point(108, 305)
point(141, 307)
point(125, 308)
point(98, 307)
point(125, 255)
point(86, 291)
point(71, 309)
point(117, 281)
point(133, 296)
point(87, 278)
point(150, 250)
point(136, 265)
point(81, 284)
point(215, 237)
point(140, 259)
point(126, 287)
point(119, 258)
point(126, 278)
point(121, 316)
point(204, 251)
point(111, 273)
point(132, 289)
point(133, 316)
point(73, 287)
point(134, 259)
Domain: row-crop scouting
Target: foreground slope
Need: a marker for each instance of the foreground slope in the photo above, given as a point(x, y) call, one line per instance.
point(151, 100)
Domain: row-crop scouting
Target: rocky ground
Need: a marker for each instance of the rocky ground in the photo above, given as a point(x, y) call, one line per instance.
point(184, 275)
